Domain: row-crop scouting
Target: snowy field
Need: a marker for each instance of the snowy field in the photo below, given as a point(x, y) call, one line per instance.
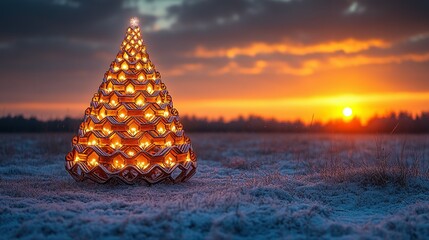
point(248, 186)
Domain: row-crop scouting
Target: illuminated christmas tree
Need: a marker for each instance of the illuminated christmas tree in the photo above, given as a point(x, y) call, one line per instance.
point(131, 131)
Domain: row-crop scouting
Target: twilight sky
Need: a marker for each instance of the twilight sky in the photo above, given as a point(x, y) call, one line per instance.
point(284, 59)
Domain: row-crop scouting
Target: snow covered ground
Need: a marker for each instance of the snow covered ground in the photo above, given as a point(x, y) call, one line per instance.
point(248, 186)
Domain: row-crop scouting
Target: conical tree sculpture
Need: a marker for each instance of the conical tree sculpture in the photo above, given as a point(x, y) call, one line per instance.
point(131, 131)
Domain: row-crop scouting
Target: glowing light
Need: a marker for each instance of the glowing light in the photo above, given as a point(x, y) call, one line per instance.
point(113, 103)
point(122, 76)
point(133, 131)
point(347, 112)
point(149, 89)
point(122, 115)
point(139, 102)
point(130, 153)
point(102, 115)
point(106, 130)
point(134, 22)
point(168, 144)
point(149, 116)
point(166, 113)
point(169, 162)
point(144, 145)
point(117, 164)
point(124, 66)
point(173, 128)
point(161, 130)
point(93, 162)
point(130, 89)
point(116, 145)
point(142, 165)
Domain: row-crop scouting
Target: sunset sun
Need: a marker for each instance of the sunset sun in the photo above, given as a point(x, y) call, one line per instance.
point(347, 112)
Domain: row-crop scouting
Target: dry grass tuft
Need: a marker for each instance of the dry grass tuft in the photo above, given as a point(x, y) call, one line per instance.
point(385, 167)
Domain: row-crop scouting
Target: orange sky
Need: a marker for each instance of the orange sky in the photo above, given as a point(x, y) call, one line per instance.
point(283, 59)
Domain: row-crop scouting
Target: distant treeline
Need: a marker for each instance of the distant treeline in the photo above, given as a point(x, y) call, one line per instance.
point(395, 122)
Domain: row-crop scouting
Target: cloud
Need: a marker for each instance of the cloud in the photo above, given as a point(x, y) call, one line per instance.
point(261, 48)
point(182, 69)
point(234, 67)
point(311, 66)
point(346, 61)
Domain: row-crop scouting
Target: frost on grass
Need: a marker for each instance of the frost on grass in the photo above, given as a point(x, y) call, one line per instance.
point(248, 186)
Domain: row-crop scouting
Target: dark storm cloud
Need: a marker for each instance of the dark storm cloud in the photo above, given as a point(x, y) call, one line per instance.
point(305, 21)
point(85, 19)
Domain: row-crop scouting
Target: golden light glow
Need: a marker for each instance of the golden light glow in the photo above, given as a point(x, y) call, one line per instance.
point(117, 164)
point(161, 130)
point(107, 131)
point(149, 116)
point(149, 89)
point(169, 162)
point(131, 153)
point(130, 89)
point(116, 145)
point(122, 76)
point(124, 66)
point(122, 115)
point(347, 112)
point(133, 131)
point(144, 145)
point(168, 144)
point(142, 164)
point(93, 162)
point(139, 102)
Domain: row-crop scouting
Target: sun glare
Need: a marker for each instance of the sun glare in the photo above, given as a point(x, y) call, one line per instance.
point(347, 112)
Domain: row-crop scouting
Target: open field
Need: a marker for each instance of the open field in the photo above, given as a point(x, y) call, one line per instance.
point(248, 186)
